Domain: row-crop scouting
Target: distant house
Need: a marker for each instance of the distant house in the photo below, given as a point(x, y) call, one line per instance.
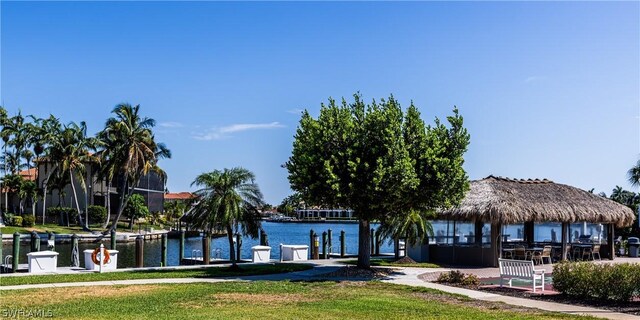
point(179, 196)
point(324, 213)
point(151, 187)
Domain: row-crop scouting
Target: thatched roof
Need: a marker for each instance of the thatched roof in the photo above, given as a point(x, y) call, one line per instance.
point(497, 199)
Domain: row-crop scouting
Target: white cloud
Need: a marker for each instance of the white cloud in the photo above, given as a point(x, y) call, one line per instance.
point(171, 124)
point(534, 78)
point(223, 132)
point(295, 111)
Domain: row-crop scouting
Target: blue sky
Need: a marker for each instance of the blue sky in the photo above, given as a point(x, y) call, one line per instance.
point(548, 90)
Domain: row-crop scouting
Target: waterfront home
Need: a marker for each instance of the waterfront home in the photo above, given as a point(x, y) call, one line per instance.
point(151, 187)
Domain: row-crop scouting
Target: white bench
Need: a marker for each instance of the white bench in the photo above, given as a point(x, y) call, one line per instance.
point(519, 269)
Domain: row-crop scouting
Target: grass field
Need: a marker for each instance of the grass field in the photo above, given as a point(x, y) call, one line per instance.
point(44, 228)
point(391, 263)
point(129, 275)
point(55, 228)
point(260, 300)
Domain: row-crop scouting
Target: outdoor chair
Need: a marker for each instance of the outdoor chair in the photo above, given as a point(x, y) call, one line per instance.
point(577, 253)
point(591, 253)
point(520, 253)
point(545, 254)
point(567, 253)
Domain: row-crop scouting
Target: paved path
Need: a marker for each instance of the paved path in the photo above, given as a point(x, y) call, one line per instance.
point(403, 276)
point(409, 276)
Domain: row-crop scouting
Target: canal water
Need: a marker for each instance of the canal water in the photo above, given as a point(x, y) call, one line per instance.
point(277, 233)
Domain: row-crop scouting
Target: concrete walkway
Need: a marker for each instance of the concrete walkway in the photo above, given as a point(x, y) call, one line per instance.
point(409, 276)
point(403, 276)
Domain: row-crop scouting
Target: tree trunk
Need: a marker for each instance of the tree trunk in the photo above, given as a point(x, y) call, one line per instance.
point(364, 244)
point(44, 196)
point(232, 252)
point(127, 192)
point(106, 223)
point(75, 198)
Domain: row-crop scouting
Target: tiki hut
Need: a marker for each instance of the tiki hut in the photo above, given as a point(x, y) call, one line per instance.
point(503, 200)
point(495, 202)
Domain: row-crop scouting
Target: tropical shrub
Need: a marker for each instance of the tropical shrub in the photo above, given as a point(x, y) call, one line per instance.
point(97, 214)
point(13, 220)
point(62, 213)
point(457, 277)
point(28, 220)
point(620, 282)
point(17, 221)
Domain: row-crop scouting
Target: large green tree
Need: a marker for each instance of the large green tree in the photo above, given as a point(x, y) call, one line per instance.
point(135, 209)
point(129, 152)
point(378, 161)
point(289, 204)
point(228, 201)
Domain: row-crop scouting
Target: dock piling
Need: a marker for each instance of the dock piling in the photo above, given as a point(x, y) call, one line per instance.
point(35, 242)
point(75, 254)
point(206, 248)
point(113, 240)
point(139, 251)
point(264, 239)
point(311, 242)
point(16, 252)
point(324, 245)
point(330, 242)
point(51, 244)
point(165, 238)
point(342, 244)
point(316, 245)
point(181, 253)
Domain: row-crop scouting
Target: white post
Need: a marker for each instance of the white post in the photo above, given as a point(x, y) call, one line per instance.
point(281, 252)
point(100, 256)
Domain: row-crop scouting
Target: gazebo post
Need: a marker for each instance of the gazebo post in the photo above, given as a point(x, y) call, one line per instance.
point(528, 232)
point(565, 231)
point(496, 242)
point(611, 250)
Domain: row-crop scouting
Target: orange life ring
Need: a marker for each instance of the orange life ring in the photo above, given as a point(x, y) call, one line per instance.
point(94, 256)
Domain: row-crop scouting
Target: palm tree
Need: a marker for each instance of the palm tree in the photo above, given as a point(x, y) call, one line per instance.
point(77, 146)
point(28, 190)
point(129, 151)
point(228, 201)
point(414, 227)
point(69, 154)
point(634, 175)
point(17, 135)
point(46, 138)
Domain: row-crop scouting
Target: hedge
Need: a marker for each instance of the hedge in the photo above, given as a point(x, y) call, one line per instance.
point(619, 282)
point(13, 220)
point(97, 214)
point(28, 220)
point(61, 213)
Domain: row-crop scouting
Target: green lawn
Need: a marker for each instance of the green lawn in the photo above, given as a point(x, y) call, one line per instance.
point(44, 228)
point(55, 228)
point(261, 300)
point(128, 275)
point(391, 263)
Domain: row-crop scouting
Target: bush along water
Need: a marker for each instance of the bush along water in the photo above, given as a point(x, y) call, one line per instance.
point(97, 214)
point(65, 215)
point(618, 282)
point(28, 221)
